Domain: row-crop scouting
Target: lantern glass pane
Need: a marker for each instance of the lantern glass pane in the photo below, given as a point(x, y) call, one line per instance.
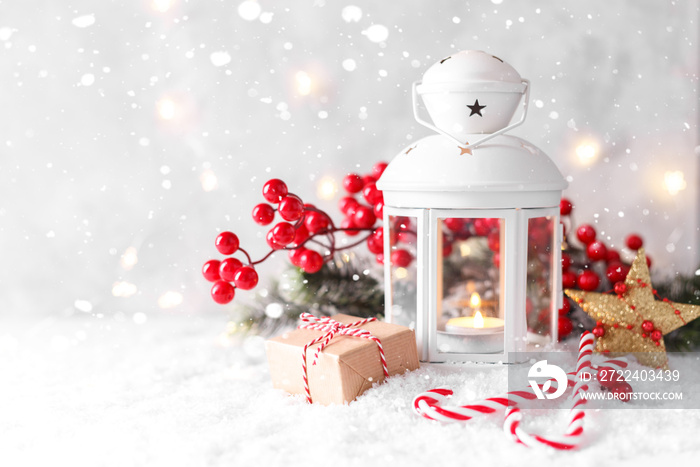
point(469, 277)
point(539, 279)
point(402, 265)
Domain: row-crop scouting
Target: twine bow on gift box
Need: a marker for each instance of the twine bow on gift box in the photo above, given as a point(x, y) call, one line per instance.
point(332, 328)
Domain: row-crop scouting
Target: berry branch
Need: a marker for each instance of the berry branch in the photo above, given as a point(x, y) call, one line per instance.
point(303, 231)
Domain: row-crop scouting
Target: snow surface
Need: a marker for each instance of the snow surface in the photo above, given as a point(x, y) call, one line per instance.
point(172, 391)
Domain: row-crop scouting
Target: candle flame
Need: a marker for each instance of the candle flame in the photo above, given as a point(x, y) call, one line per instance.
point(478, 320)
point(475, 300)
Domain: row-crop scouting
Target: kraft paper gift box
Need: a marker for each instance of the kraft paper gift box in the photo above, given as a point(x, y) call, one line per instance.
point(346, 367)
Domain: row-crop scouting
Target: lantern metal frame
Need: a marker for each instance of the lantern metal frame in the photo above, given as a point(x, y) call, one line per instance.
point(512, 293)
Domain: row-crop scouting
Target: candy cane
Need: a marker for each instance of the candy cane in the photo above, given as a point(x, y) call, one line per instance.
point(429, 404)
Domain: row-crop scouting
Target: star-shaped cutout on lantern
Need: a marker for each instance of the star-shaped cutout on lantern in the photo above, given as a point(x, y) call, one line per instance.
point(631, 319)
point(463, 151)
point(476, 108)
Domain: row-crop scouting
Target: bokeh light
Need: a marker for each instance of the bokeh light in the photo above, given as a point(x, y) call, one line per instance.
point(587, 153)
point(304, 83)
point(327, 188)
point(209, 180)
point(129, 258)
point(170, 299)
point(674, 182)
point(167, 110)
point(162, 5)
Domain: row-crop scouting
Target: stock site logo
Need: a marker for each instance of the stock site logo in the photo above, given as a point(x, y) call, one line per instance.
point(543, 370)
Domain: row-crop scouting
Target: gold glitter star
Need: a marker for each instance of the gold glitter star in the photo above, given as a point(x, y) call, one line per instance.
point(620, 316)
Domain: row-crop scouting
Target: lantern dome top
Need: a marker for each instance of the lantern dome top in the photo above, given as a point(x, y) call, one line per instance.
point(471, 67)
point(506, 171)
point(471, 92)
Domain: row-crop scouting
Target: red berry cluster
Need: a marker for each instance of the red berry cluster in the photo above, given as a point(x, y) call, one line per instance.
point(589, 267)
point(230, 273)
point(303, 231)
point(363, 205)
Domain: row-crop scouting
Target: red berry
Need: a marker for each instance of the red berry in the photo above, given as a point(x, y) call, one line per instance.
point(380, 258)
point(378, 169)
point(405, 237)
point(622, 391)
point(379, 209)
point(283, 233)
point(607, 376)
point(599, 331)
point(401, 258)
point(494, 241)
point(371, 194)
point(647, 326)
point(481, 227)
point(246, 278)
point(616, 272)
point(586, 234)
point(588, 280)
point(497, 260)
point(346, 204)
point(374, 246)
point(227, 243)
point(656, 335)
point(565, 207)
point(597, 251)
point(228, 268)
point(455, 224)
point(634, 242)
point(379, 233)
point(274, 190)
point(620, 288)
point(316, 222)
point(353, 183)
point(301, 234)
point(568, 279)
point(295, 256)
point(565, 327)
point(447, 249)
point(311, 261)
point(222, 292)
point(291, 208)
point(364, 217)
point(648, 261)
point(375, 242)
point(565, 261)
point(263, 214)
point(348, 223)
point(210, 270)
point(272, 243)
point(613, 256)
point(564, 310)
point(367, 179)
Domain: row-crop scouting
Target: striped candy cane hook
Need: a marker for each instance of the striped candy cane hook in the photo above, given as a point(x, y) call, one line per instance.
point(431, 404)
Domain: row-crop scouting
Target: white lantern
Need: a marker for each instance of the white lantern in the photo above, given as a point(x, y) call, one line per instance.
point(472, 240)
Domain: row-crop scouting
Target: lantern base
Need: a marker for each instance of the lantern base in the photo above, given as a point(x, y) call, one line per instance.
point(487, 343)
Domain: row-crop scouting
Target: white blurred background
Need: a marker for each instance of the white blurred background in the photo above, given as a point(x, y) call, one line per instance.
point(131, 132)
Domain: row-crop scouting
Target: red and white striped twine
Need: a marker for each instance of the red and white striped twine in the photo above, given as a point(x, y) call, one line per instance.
point(429, 404)
point(331, 328)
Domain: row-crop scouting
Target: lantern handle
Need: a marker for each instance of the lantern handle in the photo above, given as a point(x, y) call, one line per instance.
point(464, 144)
